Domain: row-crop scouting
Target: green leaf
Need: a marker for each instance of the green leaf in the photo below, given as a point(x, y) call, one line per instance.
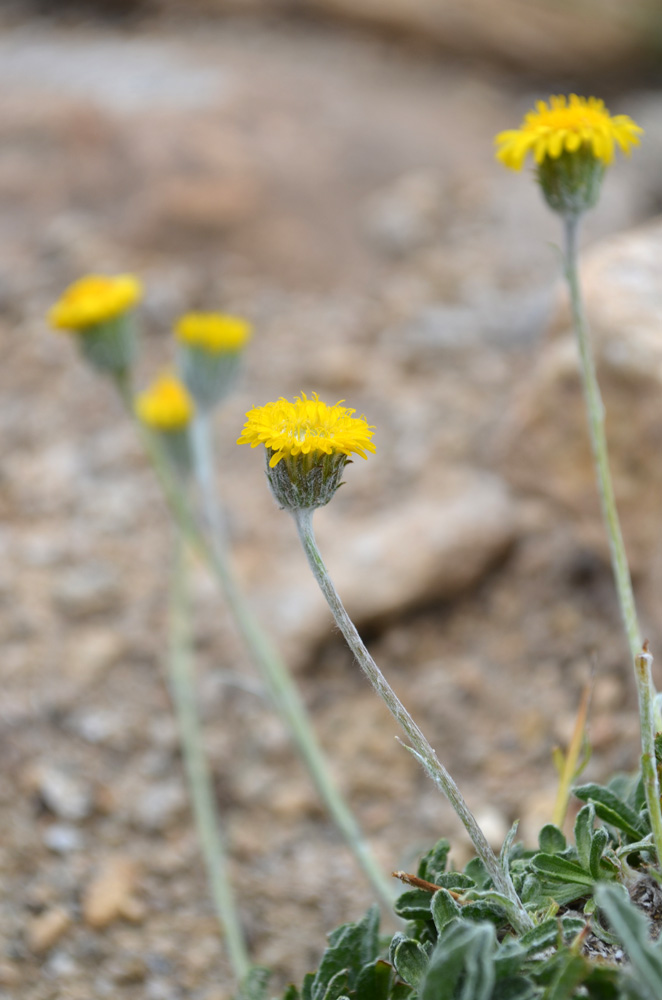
point(515, 988)
point(509, 957)
point(443, 909)
point(613, 810)
point(462, 964)
point(411, 961)
point(414, 905)
point(374, 981)
point(291, 993)
point(598, 844)
point(561, 869)
point(307, 986)
point(507, 847)
point(477, 872)
point(336, 986)
point(631, 927)
point(401, 991)
point(255, 985)
point(550, 931)
point(457, 881)
point(584, 825)
point(351, 946)
point(551, 839)
point(433, 864)
point(571, 973)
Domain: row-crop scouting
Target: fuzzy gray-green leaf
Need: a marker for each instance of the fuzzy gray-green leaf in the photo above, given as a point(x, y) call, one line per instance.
point(631, 928)
point(443, 909)
point(411, 961)
point(613, 810)
point(584, 833)
point(551, 840)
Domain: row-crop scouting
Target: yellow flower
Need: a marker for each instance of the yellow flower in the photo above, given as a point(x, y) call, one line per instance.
point(166, 405)
point(306, 427)
point(95, 299)
point(213, 332)
point(567, 125)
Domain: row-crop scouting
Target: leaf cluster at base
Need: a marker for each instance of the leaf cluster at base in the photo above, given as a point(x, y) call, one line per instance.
point(589, 940)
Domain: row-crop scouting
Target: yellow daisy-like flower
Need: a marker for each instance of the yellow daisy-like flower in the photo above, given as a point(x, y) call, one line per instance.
point(95, 299)
point(567, 125)
point(166, 405)
point(306, 427)
point(213, 332)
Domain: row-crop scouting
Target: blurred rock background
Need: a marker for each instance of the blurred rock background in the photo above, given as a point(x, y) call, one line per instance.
point(325, 168)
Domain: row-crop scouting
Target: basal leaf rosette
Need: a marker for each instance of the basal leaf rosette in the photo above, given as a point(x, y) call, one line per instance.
point(308, 444)
point(210, 347)
point(98, 309)
point(166, 408)
point(572, 140)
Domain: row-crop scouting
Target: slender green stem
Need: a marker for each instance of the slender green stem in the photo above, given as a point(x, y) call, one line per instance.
point(280, 685)
point(203, 799)
point(643, 662)
point(275, 673)
point(596, 421)
point(500, 875)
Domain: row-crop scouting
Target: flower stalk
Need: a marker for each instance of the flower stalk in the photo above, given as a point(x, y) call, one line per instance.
point(500, 876)
point(203, 799)
point(272, 668)
point(645, 691)
point(596, 424)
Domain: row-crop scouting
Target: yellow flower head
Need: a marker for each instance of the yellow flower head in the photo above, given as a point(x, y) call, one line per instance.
point(213, 332)
point(306, 427)
point(567, 125)
point(166, 405)
point(95, 299)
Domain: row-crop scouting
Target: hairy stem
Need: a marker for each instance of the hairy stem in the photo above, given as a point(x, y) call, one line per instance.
point(643, 662)
point(596, 424)
point(205, 808)
point(423, 750)
point(275, 673)
point(276, 677)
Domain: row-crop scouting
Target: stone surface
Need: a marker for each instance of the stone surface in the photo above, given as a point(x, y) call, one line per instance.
point(47, 929)
point(538, 35)
point(65, 793)
point(407, 556)
point(546, 441)
point(110, 895)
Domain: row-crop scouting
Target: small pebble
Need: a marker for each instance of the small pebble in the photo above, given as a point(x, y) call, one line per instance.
point(65, 794)
point(46, 929)
point(62, 838)
point(85, 591)
point(110, 894)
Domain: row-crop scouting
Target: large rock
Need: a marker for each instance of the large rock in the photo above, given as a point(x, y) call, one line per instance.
point(534, 34)
point(424, 550)
point(547, 446)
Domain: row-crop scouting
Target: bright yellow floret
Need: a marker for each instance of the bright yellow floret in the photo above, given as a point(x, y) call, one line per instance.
point(166, 405)
point(213, 332)
point(95, 299)
point(305, 426)
point(567, 124)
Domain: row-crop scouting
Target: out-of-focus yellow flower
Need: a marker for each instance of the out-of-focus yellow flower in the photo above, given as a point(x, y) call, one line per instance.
point(166, 406)
point(567, 124)
point(306, 426)
point(213, 332)
point(95, 299)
